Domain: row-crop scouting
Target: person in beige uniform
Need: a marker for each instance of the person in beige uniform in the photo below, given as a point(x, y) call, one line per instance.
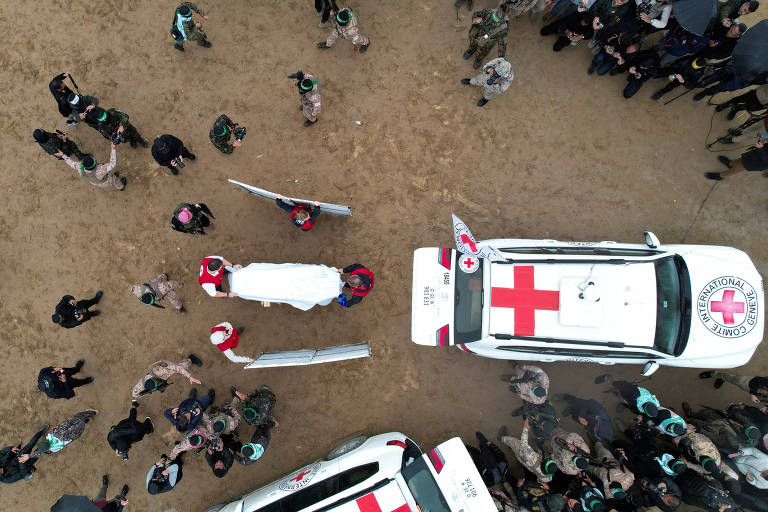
point(98, 175)
point(158, 289)
point(615, 476)
point(311, 100)
point(345, 26)
point(158, 373)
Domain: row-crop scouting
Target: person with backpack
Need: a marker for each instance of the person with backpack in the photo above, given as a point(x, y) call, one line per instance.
point(611, 468)
point(184, 29)
point(128, 431)
point(58, 382)
point(258, 406)
point(157, 375)
point(157, 289)
point(191, 218)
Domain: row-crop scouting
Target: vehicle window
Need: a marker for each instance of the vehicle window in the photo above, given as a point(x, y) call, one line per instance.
point(422, 484)
point(581, 250)
point(579, 352)
point(272, 507)
point(468, 309)
point(325, 489)
point(673, 305)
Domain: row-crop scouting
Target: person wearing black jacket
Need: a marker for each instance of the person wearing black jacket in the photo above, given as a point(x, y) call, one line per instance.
point(359, 282)
point(170, 152)
point(590, 414)
point(71, 313)
point(686, 71)
point(11, 468)
point(303, 216)
point(706, 493)
point(570, 31)
point(643, 66)
point(61, 94)
point(723, 41)
point(324, 8)
point(128, 431)
point(490, 461)
point(58, 382)
point(656, 492)
point(220, 457)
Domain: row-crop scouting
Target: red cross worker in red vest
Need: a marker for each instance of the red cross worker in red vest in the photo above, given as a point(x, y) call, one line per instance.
point(359, 282)
point(212, 270)
point(226, 337)
point(303, 216)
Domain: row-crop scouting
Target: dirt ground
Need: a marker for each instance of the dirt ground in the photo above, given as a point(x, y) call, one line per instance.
point(560, 155)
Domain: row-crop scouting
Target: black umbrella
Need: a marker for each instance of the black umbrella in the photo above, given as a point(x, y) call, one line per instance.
point(750, 57)
point(695, 15)
point(69, 503)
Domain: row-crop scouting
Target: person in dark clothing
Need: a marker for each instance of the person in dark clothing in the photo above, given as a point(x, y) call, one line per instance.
point(11, 468)
point(188, 414)
point(490, 461)
point(359, 282)
point(303, 216)
point(612, 56)
point(542, 418)
point(220, 457)
point(591, 415)
point(58, 382)
point(746, 413)
point(686, 71)
point(324, 8)
point(570, 31)
point(81, 106)
point(753, 160)
point(116, 504)
point(723, 42)
point(655, 492)
point(754, 100)
point(163, 475)
point(191, 218)
point(71, 313)
point(724, 80)
point(537, 497)
point(58, 142)
point(726, 434)
point(605, 14)
point(646, 460)
point(756, 386)
point(637, 399)
point(706, 493)
point(729, 10)
point(248, 453)
point(61, 94)
point(642, 66)
point(128, 431)
point(170, 152)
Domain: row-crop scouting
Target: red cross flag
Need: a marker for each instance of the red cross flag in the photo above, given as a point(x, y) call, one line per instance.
point(466, 244)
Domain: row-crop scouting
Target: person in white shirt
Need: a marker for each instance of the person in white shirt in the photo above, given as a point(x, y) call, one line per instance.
point(226, 337)
point(753, 464)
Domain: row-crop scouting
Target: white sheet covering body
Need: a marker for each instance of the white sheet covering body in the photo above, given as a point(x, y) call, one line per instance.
point(301, 286)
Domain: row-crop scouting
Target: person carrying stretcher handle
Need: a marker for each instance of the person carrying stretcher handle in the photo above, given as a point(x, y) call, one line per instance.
point(359, 281)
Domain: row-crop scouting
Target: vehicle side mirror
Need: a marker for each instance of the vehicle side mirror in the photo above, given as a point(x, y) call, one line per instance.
point(649, 368)
point(651, 240)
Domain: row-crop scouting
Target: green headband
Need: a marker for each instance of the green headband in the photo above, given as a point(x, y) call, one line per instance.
point(223, 130)
point(495, 17)
point(252, 415)
point(89, 168)
point(750, 429)
point(102, 117)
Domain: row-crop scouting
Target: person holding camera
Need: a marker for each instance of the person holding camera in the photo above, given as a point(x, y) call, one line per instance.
point(164, 475)
point(158, 373)
point(81, 105)
point(98, 175)
point(71, 313)
point(184, 29)
point(191, 218)
point(309, 94)
point(114, 125)
point(222, 131)
point(61, 94)
point(59, 142)
point(58, 382)
point(191, 412)
point(496, 78)
point(128, 431)
point(12, 467)
point(169, 151)
point(219, 457)
point(157, 289)
point(303, 216)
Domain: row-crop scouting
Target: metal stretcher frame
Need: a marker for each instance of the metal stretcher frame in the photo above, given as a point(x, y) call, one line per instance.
point(335, 209)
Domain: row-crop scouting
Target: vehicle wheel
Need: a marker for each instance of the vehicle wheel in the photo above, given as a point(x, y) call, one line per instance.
point(346, 446)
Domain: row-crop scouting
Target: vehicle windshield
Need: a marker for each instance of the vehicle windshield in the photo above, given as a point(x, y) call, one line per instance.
point(673, 305)
point(468, 309)
point(424, 488)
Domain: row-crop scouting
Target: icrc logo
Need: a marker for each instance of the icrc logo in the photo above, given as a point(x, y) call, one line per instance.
point(727, 306)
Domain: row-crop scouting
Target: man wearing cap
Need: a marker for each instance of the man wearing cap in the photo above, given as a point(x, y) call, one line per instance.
point(221, 133)
point(496, 78)
point(303, 216)
point(590, 414)
point(612, 471)
point(701, 454)
point(58, 382)
point(637, 399)
point(489, 26)
point(212, 270)
point(158, 373)
point(569, 451)
point(98, 175)
point(169, 151)
point(56, 143)
point(61, 94)
point(110, 123)
point(359, 283)
point(71, 312)
point(191, 412)
point(80, 106)
point(128, 431)
point(310, 98)
point(529, 455)
point(184, 29)
point(345, 25)
point(191, 218)
point(12, 469)
point(666, 422)
point(530, 383)
point(157, 289)
point(219, 457)
point(226, 337)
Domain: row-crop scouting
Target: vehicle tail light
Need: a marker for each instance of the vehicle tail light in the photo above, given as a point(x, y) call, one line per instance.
point(444, 257)
point(443, 338)
point(436, 459)
point(464, 348)
point(397, 443)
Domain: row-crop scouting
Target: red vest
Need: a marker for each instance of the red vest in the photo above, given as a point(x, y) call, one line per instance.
point(308, 224)
point(359, 290)
point(228, 343)
point(207, 277)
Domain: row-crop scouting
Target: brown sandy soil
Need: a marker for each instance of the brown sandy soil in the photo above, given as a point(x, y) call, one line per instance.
point(560, 155)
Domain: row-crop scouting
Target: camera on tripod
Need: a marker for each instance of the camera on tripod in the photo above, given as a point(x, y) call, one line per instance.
point(239, 133)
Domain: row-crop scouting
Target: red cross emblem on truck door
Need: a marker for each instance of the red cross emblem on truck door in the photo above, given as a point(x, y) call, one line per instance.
point(727, 307)
point(525, 300)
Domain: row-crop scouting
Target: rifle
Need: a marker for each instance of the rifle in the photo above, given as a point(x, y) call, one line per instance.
point(74, 83)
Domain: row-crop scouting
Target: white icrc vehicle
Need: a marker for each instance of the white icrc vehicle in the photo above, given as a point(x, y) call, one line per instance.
point(604, 302)
point(383, 473)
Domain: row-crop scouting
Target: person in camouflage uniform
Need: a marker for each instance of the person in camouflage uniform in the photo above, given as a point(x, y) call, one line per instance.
point(158, 289)
point(258, 406)
point(700, 452)
point(537, 497)
point(197, 439)
point(191, 218)
point(184, 29)
point(496, 78)
point(159, 372)
point(530, 383)
point(221, 132)
point(98, 175)
point(345, 25)
point(489, 27)
point(63, 434)
point(59, 142)
point(112, 121)
point(515, 8)
point(226, 419)
point(569, 451)
point(311, 100)
point(612, 472)
point(529, 455)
